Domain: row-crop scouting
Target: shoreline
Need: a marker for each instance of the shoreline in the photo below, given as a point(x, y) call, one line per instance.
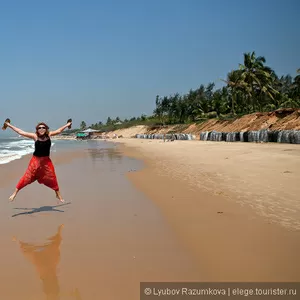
point(110, 232)
point(15, 169)
point(229, 240)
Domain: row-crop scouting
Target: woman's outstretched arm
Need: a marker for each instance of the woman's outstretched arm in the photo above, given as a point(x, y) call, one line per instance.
point(59, 130)
point(21, 132)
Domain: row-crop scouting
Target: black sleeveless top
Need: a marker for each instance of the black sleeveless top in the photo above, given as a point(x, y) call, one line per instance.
point(42, 148)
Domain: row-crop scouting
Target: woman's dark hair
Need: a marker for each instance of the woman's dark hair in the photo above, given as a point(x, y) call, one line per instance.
point(38, 125)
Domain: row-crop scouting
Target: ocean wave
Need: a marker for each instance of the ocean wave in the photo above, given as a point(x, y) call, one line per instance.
point(15, 148)
point(12, 149)
point(6, 158)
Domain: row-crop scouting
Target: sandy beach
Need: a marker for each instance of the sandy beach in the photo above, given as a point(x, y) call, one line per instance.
point(235, 206)
point(145, 210)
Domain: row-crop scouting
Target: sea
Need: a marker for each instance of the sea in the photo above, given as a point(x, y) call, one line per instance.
point(12, 148)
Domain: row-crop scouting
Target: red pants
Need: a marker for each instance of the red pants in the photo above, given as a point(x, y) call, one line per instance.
point(42, 170)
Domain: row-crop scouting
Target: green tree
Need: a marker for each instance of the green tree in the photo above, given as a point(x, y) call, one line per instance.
point(82, 125)
point(256, 79)
point(233, 84)
point(109, 121)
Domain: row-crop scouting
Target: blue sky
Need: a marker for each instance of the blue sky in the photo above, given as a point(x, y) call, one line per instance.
point(92, 59)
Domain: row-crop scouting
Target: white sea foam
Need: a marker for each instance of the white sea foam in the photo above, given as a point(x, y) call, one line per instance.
point(12, 149)
point(15, 148)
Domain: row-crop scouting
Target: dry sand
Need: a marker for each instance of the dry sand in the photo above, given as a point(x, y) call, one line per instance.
point(235, 206)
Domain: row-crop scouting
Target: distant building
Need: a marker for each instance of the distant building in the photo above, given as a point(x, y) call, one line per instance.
point(87, 134)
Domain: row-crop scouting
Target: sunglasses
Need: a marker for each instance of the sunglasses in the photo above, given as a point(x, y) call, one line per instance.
point(42, 127)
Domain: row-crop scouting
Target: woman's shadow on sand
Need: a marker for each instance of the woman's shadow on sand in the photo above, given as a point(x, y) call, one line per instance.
point(33, 210)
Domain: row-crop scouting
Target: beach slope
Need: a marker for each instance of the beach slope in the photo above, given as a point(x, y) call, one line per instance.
point(235, 206)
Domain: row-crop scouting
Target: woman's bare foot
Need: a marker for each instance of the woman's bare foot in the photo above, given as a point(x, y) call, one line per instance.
point(59, 197)
point(13, 196)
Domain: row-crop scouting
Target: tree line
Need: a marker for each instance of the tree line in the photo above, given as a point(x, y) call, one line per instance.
point(252, 87)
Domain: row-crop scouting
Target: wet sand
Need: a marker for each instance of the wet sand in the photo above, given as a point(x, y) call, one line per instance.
point(234, 206)
point(105, 240)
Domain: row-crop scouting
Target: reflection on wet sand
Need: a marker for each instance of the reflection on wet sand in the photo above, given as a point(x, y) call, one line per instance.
point(45, 257)
point(101, 154)
point(110, 154)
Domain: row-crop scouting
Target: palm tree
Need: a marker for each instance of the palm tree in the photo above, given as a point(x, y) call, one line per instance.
point(220, 101)
point(253, 86)
point(234, 84)
point(256, 78)
point(82, 125)
point(295, 90)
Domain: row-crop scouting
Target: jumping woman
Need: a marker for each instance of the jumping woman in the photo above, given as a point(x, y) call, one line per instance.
point(40, 167)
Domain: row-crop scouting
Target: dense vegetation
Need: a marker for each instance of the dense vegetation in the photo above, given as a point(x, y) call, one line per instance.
point(252, 87)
